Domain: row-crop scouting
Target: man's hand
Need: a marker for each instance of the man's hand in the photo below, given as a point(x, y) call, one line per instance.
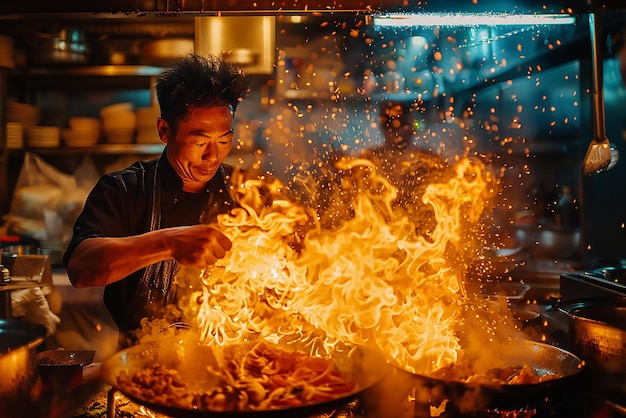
point(197, 245)
point(101, 261)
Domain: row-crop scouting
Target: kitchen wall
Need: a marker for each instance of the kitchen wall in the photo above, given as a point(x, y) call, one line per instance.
point(518, 97)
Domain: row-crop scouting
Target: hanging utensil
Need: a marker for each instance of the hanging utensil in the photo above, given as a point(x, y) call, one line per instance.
point(598, 157)
point(614, 156)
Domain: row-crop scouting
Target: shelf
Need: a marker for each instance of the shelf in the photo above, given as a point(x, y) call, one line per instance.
point(235, 158)
point(101, 149)
point(95, 71)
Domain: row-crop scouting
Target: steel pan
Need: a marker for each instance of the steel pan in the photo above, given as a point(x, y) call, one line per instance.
point(545, 359)
point(192, 361)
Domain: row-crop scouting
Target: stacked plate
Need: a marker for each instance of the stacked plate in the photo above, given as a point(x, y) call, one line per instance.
point(15, 135)
point(83, 132)
point(43, 136)
point(26, 114)
point(118, 123)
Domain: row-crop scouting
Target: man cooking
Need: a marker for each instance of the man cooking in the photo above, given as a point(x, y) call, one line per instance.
point(409, 167)
point(140, 224)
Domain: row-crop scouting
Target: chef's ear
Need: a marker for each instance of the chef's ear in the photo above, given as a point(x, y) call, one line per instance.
point(162, 128)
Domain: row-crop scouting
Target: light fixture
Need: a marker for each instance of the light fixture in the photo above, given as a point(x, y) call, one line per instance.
point(470, 19)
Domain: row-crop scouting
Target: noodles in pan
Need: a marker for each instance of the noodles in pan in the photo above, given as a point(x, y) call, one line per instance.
point(268, 377)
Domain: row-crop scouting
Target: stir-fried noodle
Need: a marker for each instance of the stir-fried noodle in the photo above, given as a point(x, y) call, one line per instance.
point(265, 378)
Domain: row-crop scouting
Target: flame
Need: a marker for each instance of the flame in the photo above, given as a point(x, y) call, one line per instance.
point(354, 264)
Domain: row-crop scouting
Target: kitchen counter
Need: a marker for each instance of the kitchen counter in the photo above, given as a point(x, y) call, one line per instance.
point(85, 322)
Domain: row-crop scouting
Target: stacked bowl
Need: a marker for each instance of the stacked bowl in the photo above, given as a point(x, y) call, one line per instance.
point(146, 125)
point(83, 132)
point(43, 136)
point(15, 135)
point(118, 123)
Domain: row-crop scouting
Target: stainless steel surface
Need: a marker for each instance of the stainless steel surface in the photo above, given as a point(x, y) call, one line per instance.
point(603, 281)
point(580, 284)
point(597, 328)
point(249, 41)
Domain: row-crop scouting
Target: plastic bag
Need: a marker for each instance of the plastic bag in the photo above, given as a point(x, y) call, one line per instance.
point(71, 204)
point(42, 190)
point(32, 305)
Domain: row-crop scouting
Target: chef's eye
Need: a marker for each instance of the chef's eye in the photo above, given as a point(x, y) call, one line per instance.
point(226, 139)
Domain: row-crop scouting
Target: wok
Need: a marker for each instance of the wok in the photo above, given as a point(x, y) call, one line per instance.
point(545, 359)
point(193, 360)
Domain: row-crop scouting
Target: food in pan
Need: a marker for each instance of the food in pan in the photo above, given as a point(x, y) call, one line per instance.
point(268, 377)
point(518, 375)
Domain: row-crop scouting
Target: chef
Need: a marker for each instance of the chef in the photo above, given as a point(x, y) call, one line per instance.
point(140, 224)
point(405, 164)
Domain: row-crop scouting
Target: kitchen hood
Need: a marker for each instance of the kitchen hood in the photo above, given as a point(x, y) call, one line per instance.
point(123, 8)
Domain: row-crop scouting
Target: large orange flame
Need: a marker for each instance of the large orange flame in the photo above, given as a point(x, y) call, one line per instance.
point(375, 279)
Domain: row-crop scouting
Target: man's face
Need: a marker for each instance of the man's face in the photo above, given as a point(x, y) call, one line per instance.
point(199, 145)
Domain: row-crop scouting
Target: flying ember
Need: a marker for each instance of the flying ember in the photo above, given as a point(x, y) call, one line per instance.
point(351, 254)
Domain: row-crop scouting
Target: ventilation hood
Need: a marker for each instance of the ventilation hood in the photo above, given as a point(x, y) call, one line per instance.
point(123, 8)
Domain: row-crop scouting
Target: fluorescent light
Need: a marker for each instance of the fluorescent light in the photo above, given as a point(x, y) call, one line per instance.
point(470, 19)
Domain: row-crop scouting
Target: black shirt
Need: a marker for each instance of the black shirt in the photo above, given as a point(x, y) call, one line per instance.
point(121, 204)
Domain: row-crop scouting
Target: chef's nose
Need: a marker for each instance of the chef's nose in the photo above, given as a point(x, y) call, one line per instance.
point(211, 152)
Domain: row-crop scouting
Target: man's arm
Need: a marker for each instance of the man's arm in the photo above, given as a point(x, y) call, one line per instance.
point(104, 260)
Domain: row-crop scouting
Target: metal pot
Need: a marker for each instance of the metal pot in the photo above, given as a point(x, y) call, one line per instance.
point(597, 331)
point(548, 241)
point(20, 385)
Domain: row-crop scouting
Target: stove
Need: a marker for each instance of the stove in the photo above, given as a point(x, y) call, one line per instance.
point(581, 397)
point(600, 282)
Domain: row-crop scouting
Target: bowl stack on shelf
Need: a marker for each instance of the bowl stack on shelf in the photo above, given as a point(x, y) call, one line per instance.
point(20, 116)
point(15, 135)
point(83, 132)
point(146, 125)
point(43, 136)
point(118, 123)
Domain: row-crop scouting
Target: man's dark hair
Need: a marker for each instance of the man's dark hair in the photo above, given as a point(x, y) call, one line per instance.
point(197, 80)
